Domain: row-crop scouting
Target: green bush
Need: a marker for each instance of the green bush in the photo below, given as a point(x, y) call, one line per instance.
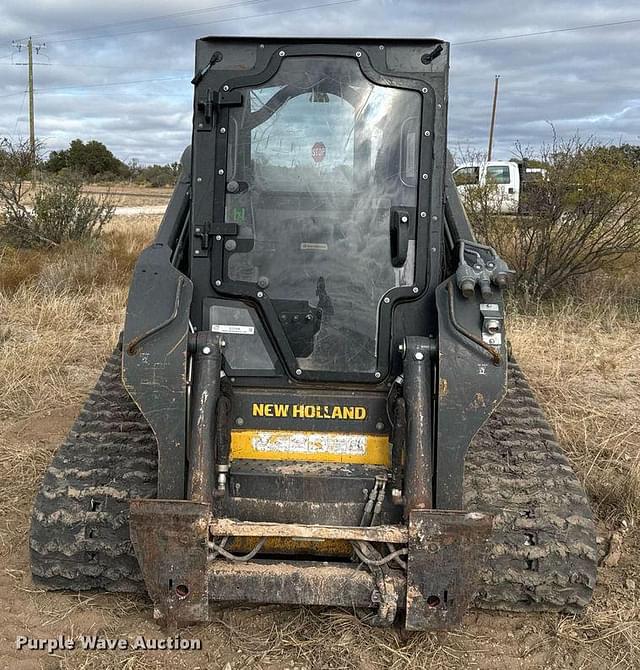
point(37, 213)
point(158, 175)
point(60, 213)
point(582, 218)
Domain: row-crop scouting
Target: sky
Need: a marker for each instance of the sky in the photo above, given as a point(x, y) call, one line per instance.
point(117, 73)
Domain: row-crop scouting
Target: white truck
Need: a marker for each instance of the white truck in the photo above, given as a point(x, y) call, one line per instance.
point(509, 177)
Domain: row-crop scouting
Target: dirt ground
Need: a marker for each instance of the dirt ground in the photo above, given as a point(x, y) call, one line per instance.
point(56, 329)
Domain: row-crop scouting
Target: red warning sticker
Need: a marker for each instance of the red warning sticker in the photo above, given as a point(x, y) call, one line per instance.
point(318, 152)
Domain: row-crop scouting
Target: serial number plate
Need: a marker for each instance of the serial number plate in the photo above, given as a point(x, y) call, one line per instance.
point(310, 443)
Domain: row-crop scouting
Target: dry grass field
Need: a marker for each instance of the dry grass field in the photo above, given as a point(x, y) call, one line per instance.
point(60, 313)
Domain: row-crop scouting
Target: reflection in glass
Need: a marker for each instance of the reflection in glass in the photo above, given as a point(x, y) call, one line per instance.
point(318, 157)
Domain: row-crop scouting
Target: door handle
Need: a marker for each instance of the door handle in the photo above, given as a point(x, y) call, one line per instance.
point(399, 230)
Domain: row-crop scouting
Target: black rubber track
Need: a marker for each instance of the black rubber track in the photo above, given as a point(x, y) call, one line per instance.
point(542, 554)
point(80, 521)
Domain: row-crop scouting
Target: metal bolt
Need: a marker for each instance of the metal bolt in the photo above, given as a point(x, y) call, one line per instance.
point(358, 54)
point(201, 125)
point(425, 90)
point(223, 130)
point(199, 179)
point(386, 300)
point(415, 289)
point(404, 219)
point(281, 53)
point(381, 47)
point(198, 230)
point(237, 487)
point(218, 238)
point(423, 215)
point(425, 176)
point(239, 421)
point(260, 294)
point(298, 371)
point(197, 252)
point(225, 88)
point(220, 171)
point(433, 250)
point(206, 350)
point(427, 133)
point(218, 282)
point(401, 347)
point(434, 218)
point(493, 326)
point(377, 375)
point(230, 245)
point(439, 105)
point(418, 355)
point(491, 265)
point(379, 425)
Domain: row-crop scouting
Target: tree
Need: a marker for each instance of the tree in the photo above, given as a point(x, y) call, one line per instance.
point(90, 160)
point(582, 217)
point(36, 213)
point(158, 175)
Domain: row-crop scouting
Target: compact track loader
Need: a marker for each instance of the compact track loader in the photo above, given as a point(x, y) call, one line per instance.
point(313, 400)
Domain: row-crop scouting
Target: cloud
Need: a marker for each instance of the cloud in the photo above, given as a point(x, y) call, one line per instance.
point(582, 81)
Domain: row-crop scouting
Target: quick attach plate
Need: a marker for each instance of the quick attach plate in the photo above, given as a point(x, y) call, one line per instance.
point(170, 541)
point(446, 550)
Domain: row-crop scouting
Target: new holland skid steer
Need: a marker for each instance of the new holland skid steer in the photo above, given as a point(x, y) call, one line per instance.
point(313, 400)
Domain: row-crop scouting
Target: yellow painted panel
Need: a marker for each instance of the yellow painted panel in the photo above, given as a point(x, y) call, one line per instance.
point(283, 445)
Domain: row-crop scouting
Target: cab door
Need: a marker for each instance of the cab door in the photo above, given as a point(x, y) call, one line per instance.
point(321, 181)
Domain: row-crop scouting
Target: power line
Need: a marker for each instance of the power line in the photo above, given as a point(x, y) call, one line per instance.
point(157, 17)
point(110, 83)
point(207, 23)
point(15, 128)
point(547, 32)
point(286, 11)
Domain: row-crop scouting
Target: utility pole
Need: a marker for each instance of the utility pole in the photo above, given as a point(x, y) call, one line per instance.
point(32, 122)
point(493, 118)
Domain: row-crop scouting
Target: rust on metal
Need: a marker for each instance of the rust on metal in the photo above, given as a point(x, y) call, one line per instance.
point(298, 583)
point(394, 534)
point(417, 392)
point(170, 541)
point(446, 550)
point(207, 361)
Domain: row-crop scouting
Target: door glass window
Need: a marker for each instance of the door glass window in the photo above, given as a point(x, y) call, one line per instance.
point(498, 174)
point(466, 176)
point(319, 158)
